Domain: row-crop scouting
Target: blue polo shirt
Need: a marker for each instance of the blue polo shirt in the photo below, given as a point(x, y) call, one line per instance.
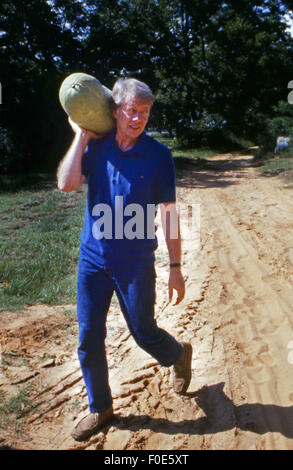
point(124, 189)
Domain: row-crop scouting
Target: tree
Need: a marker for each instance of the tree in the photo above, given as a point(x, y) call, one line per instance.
point(227, 65)
point(35, 52)
point(215, 66)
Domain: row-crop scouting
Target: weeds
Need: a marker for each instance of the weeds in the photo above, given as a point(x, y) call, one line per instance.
point(11, 409)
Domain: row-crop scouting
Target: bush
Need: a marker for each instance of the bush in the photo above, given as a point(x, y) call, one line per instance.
point(207, 132)
point(11, 154)
point(273, 128)
point(280, 124)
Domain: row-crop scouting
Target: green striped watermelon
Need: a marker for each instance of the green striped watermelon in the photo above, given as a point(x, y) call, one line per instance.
point(87, 102)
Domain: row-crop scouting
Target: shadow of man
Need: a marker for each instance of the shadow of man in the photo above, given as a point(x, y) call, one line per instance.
point(220, 415)
point(257, 417)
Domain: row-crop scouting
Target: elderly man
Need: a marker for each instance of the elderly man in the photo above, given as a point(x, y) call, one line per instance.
point(126, 170)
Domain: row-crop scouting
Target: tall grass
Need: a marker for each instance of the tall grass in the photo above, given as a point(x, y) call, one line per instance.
point(39, 246)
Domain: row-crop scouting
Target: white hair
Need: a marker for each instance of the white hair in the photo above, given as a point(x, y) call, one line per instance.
point(130, 88)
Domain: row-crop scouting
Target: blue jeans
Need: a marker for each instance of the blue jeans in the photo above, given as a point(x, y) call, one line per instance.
point(134, 285)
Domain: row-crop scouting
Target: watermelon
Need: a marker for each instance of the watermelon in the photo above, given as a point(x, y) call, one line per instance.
point(87, 102)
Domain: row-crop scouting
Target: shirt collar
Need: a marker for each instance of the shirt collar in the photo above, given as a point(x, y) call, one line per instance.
point(137, 149)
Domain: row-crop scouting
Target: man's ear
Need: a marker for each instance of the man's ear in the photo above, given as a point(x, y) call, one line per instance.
point(115, 112)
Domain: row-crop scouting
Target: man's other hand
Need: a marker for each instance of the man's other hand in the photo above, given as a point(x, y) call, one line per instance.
point(176, 281)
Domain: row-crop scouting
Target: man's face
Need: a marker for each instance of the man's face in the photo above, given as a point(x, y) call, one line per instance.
point(132, 117)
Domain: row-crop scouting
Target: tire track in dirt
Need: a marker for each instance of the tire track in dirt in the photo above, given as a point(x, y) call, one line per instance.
point(262, 310)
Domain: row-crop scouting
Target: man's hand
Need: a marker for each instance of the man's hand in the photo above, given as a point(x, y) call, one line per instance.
point(176, 281)
point(81, 131)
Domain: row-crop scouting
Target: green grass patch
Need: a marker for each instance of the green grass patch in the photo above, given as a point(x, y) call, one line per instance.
point(277, 165)
point(11, 408)
point(233, 143)
point(172, 144)
point(194, 153)
point(39, 246)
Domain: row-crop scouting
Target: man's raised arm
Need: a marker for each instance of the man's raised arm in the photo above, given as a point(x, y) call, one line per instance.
point(69, 175)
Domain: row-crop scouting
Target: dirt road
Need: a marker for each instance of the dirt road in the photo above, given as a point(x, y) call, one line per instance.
point(237, 314)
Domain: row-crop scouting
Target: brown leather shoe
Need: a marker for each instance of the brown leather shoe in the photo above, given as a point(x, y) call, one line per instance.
point(182, 370)
point(91, 423)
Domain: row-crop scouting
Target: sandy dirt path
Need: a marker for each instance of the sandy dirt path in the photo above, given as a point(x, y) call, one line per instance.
point(237, 314)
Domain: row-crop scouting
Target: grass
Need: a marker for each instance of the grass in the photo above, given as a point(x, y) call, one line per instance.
point(39, 246)
point(234, 143)
point(278, 164)
point(193, 153)
point(11, 408)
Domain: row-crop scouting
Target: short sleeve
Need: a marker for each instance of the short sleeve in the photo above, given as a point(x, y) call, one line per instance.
point(166, 181)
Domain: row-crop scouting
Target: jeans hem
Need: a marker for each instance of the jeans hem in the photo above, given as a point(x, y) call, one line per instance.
point(100, 410)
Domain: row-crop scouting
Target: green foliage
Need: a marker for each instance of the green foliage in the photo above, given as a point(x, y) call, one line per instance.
point(34, 56)
point(231, 60)
point(207, 61)
point(11, 152)
point(281, 123)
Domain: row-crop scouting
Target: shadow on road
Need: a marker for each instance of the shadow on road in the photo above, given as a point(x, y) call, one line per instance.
point(220, 415)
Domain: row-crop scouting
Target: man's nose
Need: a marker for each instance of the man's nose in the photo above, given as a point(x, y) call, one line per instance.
point(138, 115)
